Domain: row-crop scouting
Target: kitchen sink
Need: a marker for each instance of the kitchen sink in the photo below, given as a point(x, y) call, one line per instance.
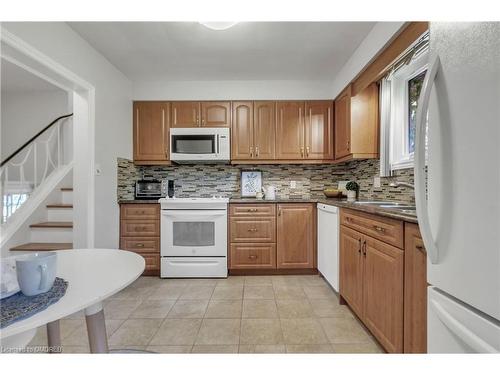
point(398, 207)
point(381, 203)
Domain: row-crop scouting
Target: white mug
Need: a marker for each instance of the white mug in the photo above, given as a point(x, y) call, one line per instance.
point(36, 272)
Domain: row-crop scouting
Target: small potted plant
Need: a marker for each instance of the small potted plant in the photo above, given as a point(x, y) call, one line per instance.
point(352, 188)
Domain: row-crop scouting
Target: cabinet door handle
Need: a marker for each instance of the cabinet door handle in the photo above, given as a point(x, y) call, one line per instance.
point(348, 143)
point(359, 248)
point(379, 229)
point(257, 151)
point(251, 151)
point(364, 248)
point(307, 151)
point(420, 248)
point(302, 152)
point(279, 212)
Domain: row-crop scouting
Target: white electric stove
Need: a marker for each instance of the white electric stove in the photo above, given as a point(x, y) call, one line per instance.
point(193, 237)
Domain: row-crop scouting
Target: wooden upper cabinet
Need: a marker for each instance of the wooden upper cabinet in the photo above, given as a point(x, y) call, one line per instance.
point(343, 124)
point(264, 130)
point(365, 123)
point(185, 114)
point(319, 130)
point(151, 132)
point(351, 268)
point(415, 290)
point(356, 124)
point(383, 293)
point(242, 133)
point(296, 235)
point(290, 130)
point(216, 114)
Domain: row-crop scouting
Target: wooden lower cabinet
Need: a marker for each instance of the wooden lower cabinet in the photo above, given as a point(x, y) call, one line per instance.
point(415, 291)
point(270, 236)
point(383, 293)
point(351, 268)
point(296, 234)
point(371, 282)
point(140, 233)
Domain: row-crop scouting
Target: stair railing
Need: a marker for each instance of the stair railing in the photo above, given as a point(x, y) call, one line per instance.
point(30, 165)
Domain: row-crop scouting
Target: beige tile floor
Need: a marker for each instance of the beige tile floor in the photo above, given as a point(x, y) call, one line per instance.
point(245, 314)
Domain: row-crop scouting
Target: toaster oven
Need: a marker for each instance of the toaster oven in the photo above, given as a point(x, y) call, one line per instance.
point(154, 189)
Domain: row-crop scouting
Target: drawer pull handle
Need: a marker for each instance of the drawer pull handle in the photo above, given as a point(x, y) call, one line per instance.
point(379, 229)
point(420, 248)
point(252, 257)
point(253, 230)
point(139, 245)
point(252, 210)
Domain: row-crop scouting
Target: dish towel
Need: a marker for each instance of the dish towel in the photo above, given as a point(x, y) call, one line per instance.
point(18, 306)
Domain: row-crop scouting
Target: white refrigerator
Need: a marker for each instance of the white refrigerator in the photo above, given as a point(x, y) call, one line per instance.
point(458, 203)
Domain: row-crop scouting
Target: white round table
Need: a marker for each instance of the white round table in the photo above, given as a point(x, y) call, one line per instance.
point(93, 275)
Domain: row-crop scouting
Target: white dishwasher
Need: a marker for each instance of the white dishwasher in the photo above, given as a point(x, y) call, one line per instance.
point(328, 243)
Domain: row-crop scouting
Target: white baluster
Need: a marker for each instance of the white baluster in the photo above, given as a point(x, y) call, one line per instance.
point(35, 169)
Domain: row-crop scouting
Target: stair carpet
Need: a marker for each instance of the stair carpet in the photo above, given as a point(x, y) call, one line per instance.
point(57, 232)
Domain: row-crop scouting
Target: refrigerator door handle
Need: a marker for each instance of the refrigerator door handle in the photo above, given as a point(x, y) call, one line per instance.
point(419, 161)
point(465, 334)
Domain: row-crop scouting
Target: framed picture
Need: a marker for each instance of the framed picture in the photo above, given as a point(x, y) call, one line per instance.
point(251, 183)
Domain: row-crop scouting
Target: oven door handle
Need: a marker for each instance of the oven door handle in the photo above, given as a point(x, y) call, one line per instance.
point(200, 213)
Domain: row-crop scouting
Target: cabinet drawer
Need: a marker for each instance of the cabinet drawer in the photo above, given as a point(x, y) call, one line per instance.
point(381, 228)
point(140, 244)
point(247, 256)
point(250, 229)
point(134, 211)
point(152, 263)
point(248, 209)
point(140, 228)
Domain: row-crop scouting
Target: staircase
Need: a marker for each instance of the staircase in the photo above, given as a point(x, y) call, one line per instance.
point(57, 232)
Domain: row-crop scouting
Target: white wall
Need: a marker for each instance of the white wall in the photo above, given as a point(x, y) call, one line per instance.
point(381, 34)
point(26, 113)
point(113, 111)
point(233, 90)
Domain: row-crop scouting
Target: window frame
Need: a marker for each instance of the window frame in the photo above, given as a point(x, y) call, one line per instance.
point(400, 156)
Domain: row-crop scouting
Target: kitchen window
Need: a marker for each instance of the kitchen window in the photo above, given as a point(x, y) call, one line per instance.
point(399, 93)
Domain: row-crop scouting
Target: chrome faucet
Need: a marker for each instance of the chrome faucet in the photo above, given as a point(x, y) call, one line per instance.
point(400, 183)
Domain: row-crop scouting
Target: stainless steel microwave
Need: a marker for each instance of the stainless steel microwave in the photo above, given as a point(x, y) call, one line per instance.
point(199, 145)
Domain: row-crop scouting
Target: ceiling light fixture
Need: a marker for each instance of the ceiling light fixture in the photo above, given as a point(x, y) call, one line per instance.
point(218, 25)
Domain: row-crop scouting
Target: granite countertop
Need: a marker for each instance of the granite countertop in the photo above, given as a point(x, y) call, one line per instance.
point(372, 209)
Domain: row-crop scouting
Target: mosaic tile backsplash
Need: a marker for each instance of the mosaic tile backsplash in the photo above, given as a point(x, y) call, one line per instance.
point(208, 180)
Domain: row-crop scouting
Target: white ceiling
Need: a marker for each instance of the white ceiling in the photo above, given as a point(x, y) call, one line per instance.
point(16, 79)
point(185, 51)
